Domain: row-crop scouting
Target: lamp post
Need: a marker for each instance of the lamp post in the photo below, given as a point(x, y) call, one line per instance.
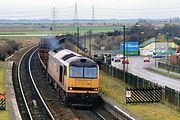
point(77, 40)
point(155, 50)
point(124, 40)
point(156, 29)
point(167, 51)
point(90, 33)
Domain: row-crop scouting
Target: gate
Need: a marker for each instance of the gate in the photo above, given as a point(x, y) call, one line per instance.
point(143, 95)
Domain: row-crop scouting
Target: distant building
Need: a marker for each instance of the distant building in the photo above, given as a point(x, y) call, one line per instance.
point(175, 59)
point(161, 49)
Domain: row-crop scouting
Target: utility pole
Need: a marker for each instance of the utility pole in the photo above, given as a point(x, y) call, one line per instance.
point(76, 15)
point(155, 50)
point(90, 33)
point(85, 44)
point(84, 40)
point(77, 40)
point(167, 52)
point(127, 55)
point(124, 41)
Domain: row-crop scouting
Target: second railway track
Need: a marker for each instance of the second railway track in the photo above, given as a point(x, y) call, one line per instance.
point(29, 102)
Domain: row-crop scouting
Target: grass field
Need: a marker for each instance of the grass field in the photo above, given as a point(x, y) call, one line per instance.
point(3, 114)
point(115, 90)
point(60, 30)
point(2, 76)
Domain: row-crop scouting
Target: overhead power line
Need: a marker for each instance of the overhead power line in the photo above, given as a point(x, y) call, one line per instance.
point(76, 15)
point(93, 16)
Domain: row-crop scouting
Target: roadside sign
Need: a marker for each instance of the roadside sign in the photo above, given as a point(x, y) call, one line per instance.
point(2, 97)
point(2, 101)
point(128, 94)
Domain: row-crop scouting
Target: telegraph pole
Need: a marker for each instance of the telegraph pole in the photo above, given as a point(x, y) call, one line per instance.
point(77, 39)
point(85, 43)
point(124, 41)
point(84, 40)
point(167, 52)
point(155, 51)
point(90, 32)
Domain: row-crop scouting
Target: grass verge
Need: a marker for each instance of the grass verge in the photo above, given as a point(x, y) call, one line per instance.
point(3, 114)
point(164, 73)
point(114, 89)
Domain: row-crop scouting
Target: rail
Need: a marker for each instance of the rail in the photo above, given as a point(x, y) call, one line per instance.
point(19, 80)
point(29, 67)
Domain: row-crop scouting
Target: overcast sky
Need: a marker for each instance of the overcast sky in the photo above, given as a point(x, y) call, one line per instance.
point(119, 9)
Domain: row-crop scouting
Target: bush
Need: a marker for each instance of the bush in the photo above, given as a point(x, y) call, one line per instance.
point(2, 56)
point(10, 51)
point(8, 48)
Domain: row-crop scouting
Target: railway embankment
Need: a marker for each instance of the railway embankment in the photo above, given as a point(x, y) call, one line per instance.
point(12, 105)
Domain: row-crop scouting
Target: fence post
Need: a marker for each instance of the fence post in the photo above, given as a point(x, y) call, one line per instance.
point(179, 100)
point(112, 71)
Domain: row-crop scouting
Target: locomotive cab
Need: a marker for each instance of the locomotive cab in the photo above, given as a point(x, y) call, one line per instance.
point(74, 75)
point(83, 79)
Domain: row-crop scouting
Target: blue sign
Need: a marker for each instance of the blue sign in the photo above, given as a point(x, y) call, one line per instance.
point(131, 48)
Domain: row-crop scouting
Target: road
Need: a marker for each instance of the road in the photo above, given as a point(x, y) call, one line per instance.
point(138, 67)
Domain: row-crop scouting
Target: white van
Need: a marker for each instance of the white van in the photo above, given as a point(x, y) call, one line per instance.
point(116, 60)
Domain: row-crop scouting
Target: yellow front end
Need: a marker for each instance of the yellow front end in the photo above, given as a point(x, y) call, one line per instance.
point(81, 85)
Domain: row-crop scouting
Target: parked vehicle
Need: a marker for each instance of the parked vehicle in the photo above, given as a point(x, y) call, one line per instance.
point(126, 61)
point(146, 59)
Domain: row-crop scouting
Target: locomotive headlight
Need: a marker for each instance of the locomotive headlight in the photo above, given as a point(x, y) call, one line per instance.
point(95, 89)
point(70, 88)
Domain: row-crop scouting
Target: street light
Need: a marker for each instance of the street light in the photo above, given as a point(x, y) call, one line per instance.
point(124, 40)
point(155, 50)
point(90, 33)
point(156, 29)
point(167, 52)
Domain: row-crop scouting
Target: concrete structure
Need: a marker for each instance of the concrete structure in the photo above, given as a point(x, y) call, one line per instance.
point(13, 109)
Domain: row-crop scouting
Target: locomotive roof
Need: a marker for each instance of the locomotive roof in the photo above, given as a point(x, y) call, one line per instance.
point(66, 56)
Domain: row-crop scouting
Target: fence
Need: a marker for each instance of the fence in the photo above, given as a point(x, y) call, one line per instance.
point(173, 68)
point(130, 79)
point(172, 97)
point(168, 94)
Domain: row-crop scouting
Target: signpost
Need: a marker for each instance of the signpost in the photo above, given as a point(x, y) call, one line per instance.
point(132, 47)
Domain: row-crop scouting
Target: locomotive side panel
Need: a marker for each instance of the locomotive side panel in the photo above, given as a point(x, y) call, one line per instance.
point(55, 70)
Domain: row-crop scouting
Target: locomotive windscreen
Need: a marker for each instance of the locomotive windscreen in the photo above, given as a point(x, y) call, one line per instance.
point(83, 72)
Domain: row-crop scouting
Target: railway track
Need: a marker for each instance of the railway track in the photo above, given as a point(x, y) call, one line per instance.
point(24, 71)
point(92, 113)
point(81, 113)
point(50, 96)
point(29, 102)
